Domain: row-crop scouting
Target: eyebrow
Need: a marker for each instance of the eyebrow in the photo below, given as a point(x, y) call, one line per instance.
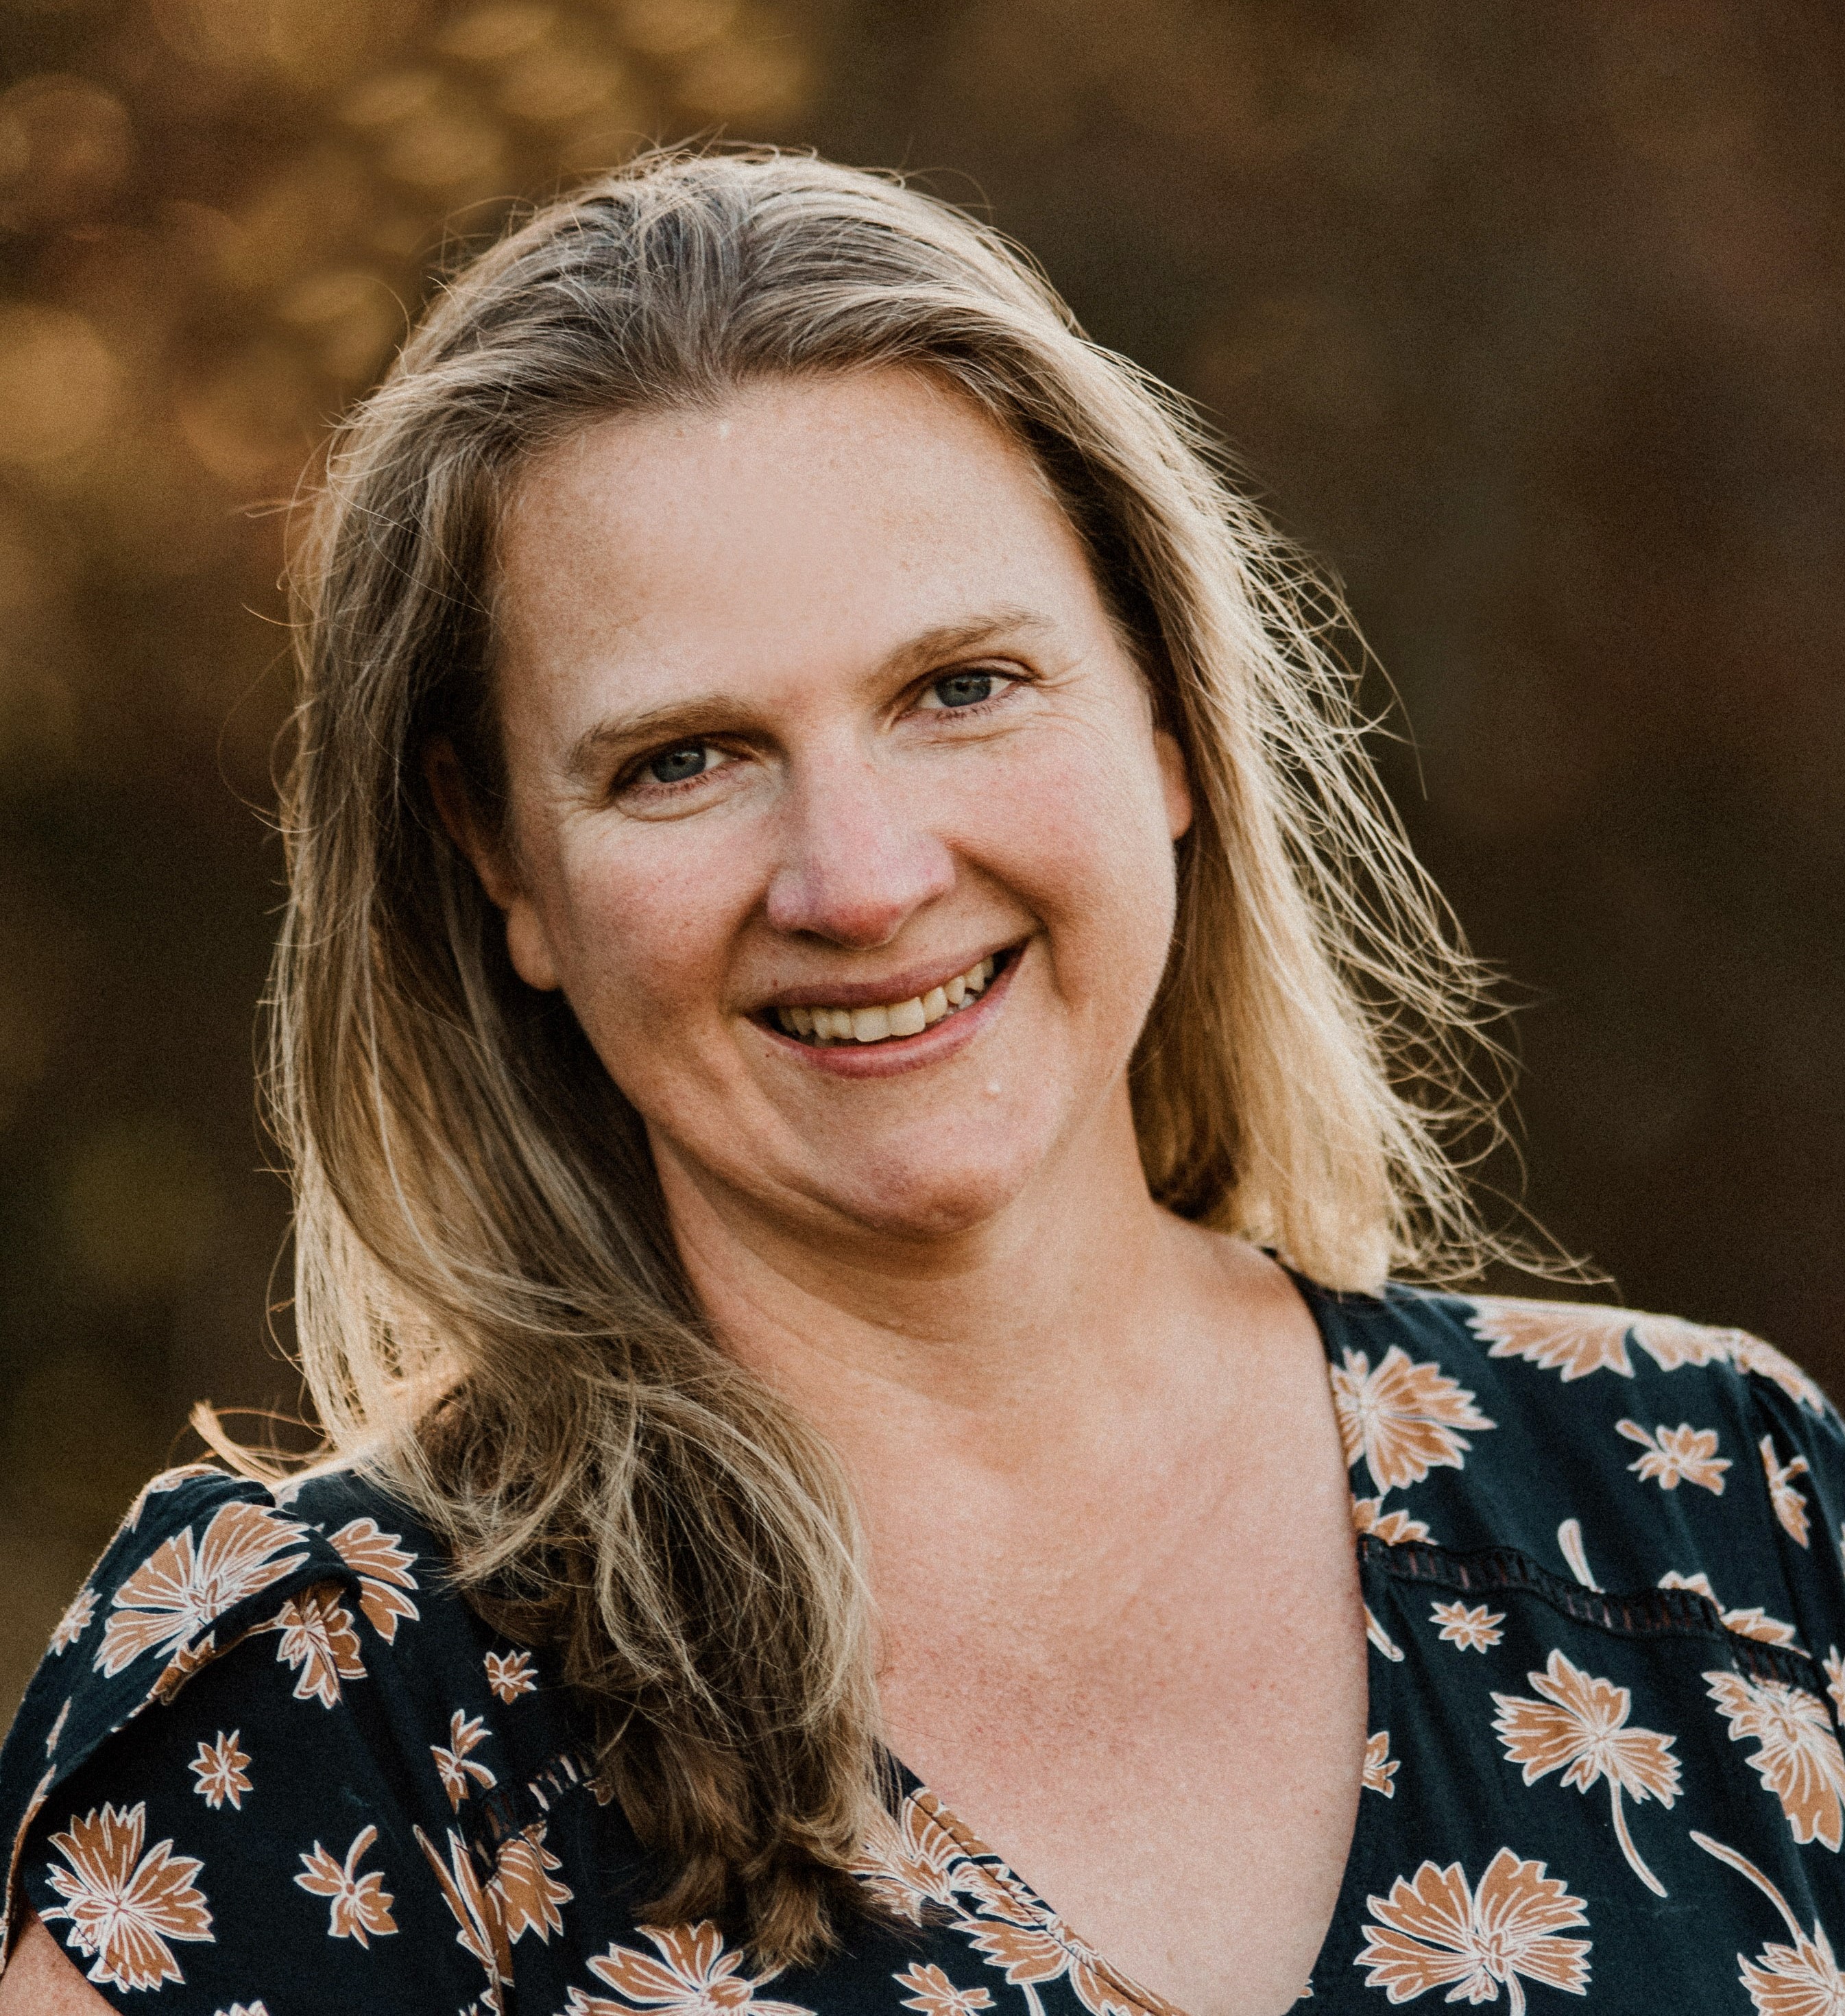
point(710, 712)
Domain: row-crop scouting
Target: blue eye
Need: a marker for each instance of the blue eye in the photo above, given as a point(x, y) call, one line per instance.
point(673, 766)
point(964, 688)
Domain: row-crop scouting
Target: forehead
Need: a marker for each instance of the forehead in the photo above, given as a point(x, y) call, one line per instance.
point(833, 517)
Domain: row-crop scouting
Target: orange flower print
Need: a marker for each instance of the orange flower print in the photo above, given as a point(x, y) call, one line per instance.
point(384, 1570)
point(1683, 1455)
point(183, 1585)
point(1580, 1729)
point(1671, 1342)
point(1572, 1339)
point(455, 1764)
point(480, 1926)
point(243, 2009)
point(1434, 1931)
point(914, 1863)
point(361, 1908)
point(57, 1728)
point(122, 1906)
point(75, 1621)
point(219, 1768)
point(1799, 1760)
point(927, 1859)
point(182, 1665)
point(1380, 1766)
point(34, 1805)
point(523, 1886)
point(1753, 1622)
point(1369, 1517)
point(520, 1896)
point(1834, 1681)
point(1800, 1980)
point(317, 1636)
point(511, 1674)
point(1473, 1629)
point(1404, 1418)
point(1689, 1344)
point(936, 1995)
point(1379, 1638)
point(1751, 1354)
point(696, 1975)
point(1034, 1946)
point(1790, 1505)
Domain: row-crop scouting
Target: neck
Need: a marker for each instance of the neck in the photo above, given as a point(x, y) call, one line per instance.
point(1046, 1327)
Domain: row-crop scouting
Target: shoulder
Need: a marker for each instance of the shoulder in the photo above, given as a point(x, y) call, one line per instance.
point(1575, 1339)
point(202, 1558)
point(1551, 1360)
point(315, 1612)
point(330, 1566)
point(1618, 1448)
point(202, 1561)
point(272, 1700)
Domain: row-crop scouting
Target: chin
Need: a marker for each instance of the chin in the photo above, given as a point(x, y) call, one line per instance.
point(908, 1199)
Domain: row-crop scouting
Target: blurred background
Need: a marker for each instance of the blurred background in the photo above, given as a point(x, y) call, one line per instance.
point(1527, 318)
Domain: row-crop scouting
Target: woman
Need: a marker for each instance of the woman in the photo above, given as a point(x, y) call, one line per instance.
point(839, 941)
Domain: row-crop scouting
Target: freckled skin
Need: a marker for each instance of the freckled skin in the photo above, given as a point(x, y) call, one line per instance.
point(1093, 1448)
point(41, 1979)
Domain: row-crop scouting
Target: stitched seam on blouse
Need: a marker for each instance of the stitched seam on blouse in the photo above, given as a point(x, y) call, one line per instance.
point(1650, 1613)
point(507, 1810)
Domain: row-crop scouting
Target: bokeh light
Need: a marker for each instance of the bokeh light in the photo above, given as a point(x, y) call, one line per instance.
point(1529, 318)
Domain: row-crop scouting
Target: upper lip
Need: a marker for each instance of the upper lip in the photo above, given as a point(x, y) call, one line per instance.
point(909, 985)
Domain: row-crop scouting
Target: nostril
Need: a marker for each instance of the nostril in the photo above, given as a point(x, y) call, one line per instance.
point(858, 882)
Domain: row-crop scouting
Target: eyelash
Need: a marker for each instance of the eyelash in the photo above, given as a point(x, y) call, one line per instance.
point(634, 776)
point(1013, 681)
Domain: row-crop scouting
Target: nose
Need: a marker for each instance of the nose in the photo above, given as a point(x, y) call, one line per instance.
point(857, 862)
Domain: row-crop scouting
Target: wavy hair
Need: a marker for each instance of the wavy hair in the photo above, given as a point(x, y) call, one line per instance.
point(491, 1313)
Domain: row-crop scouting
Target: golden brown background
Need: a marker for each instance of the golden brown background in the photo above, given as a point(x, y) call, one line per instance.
point(1526, 316)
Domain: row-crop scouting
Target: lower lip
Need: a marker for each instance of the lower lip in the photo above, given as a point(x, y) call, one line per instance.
point(902, 1053)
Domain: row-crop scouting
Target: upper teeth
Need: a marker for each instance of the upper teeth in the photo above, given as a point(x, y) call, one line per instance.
point(894, 1018)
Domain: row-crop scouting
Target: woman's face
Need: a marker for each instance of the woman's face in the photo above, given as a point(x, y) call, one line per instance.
point(811, 710)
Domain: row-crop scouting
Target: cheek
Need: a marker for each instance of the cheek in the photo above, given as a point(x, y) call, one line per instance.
point(1086, 839)
point(644, 927)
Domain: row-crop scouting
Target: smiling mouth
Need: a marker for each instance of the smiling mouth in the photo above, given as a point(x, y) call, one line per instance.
point(824, 1028)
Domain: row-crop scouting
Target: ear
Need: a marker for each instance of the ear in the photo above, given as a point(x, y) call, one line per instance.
point(442, 769)
point(527, 944)
point(1175, 785)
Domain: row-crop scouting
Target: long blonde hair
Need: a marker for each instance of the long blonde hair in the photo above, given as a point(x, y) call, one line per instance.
point(491, 1312)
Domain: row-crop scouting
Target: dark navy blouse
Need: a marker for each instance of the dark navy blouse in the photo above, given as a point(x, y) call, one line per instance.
point(271, 1766)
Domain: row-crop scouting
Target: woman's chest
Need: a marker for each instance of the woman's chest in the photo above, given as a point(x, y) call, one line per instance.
point(1176, 1822)
point(1570, 1793)
point(1562, 1793)
point(1177, 1775)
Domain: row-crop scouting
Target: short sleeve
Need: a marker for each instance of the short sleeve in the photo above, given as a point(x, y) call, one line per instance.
point(213, 1794)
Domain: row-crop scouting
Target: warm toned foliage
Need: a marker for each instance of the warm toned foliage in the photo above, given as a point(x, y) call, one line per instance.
point(1531, 328)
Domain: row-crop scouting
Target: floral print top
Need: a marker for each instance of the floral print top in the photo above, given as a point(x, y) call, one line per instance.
point(271, 1766)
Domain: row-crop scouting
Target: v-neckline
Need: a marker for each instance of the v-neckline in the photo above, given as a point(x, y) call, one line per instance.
point(1056, 1927)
